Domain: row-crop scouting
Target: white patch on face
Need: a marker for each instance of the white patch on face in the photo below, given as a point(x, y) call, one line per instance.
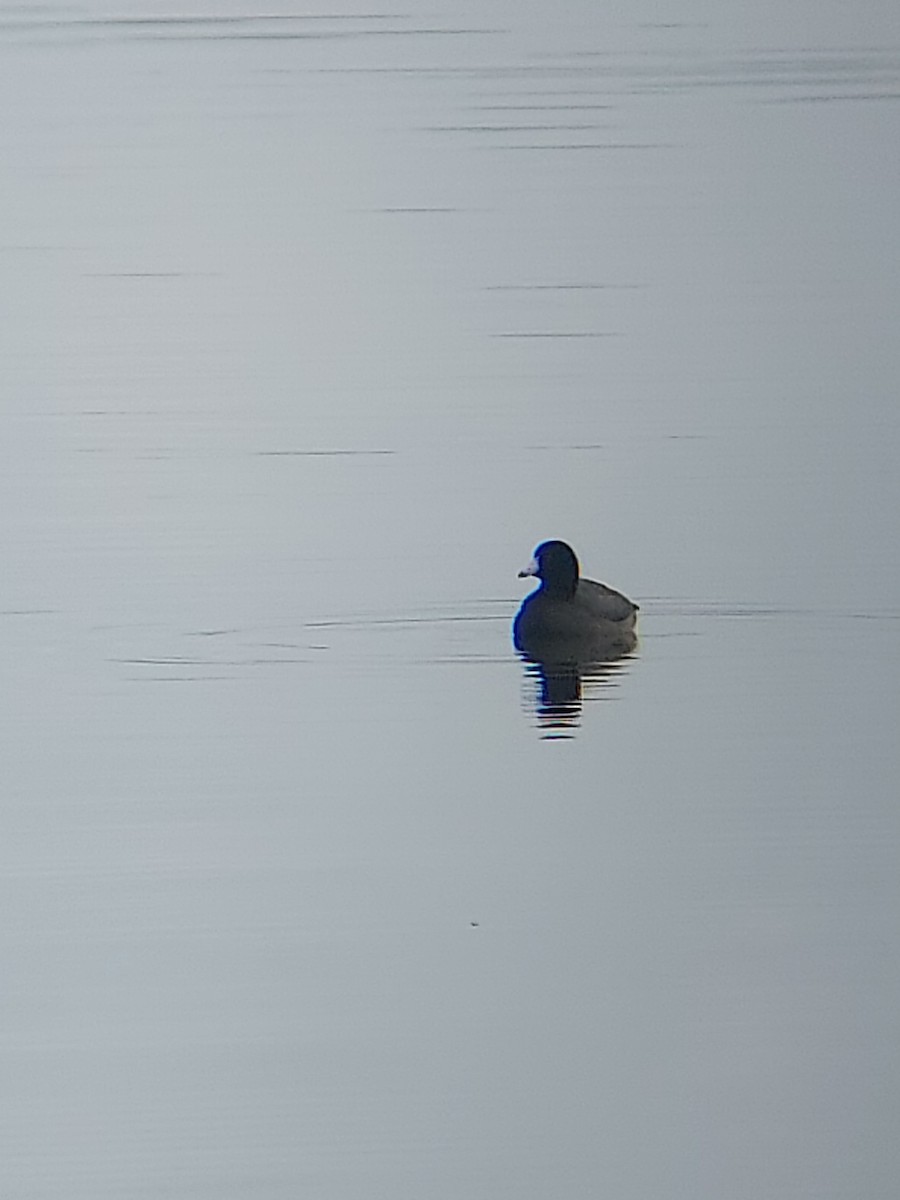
point(531, 569)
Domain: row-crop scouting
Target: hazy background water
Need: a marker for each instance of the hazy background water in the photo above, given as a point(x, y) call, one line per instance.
point(313, 324)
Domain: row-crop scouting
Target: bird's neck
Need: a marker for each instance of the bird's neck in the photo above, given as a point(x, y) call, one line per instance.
point(561, 589)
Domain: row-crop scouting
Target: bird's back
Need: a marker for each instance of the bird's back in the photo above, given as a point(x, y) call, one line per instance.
point(604, 603)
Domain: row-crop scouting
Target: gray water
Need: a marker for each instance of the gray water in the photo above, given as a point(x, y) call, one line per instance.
point(314, 323)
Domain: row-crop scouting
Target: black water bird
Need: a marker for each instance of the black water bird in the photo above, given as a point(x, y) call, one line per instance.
point(569, 619)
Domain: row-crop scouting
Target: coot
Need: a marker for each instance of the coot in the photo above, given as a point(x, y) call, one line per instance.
point(568, 618)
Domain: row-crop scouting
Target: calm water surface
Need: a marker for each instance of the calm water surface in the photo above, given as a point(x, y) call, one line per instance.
point(314, 323)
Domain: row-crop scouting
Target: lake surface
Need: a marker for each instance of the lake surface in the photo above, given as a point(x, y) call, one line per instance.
point(313, 324)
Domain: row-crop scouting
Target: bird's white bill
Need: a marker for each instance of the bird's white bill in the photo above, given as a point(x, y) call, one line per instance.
point(531, 569)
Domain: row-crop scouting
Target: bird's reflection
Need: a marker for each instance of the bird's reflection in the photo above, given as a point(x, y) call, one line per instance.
point(556, 691)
